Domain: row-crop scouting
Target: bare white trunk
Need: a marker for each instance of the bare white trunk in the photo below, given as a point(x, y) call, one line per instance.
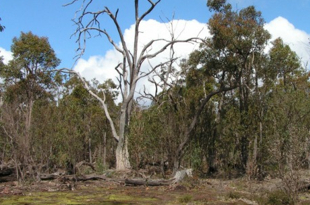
point(122, 156)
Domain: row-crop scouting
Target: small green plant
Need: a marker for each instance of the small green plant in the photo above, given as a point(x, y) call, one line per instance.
point(109, 174)
point(101, 168)
point(279, 198)
point(185, 199)
point(234, 195)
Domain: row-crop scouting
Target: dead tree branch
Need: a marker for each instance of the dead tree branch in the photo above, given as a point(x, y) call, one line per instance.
point(101, 100)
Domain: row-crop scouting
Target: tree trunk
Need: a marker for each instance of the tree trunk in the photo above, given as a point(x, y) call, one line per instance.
point(89, 151)
point(105, 149)
point(147, 182)
point(176, 163)
point(27, 135)
point(122, 157)
point(122, 154)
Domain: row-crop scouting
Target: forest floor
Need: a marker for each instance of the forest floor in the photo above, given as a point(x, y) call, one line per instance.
point(106, 192)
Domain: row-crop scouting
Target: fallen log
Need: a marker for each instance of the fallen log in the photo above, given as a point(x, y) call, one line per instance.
point(178, 177)
point(147, 182)
point(72, 177)
point(90, 177)
point(6, 171)
point(48, 176)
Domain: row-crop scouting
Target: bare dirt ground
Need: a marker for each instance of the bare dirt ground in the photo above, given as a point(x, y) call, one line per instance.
point(113, 191)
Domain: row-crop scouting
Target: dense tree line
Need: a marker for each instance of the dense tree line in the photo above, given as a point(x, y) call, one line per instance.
point(235, 108)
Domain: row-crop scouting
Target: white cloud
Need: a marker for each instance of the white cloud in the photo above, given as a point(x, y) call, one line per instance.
point(99, 67)
point(297, 39)
point(102, 67)
point(7, 55)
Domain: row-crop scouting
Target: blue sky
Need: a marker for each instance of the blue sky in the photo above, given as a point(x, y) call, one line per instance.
point(286, 18)
point(49, 18)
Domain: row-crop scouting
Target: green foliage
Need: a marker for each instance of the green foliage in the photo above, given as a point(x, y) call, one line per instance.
point(65, 129)
point(51, 113)
point(27, 76)
point(279, 198)
point(185, 199)
point(217, 5)
point(33, 52)
point(284, 62)
point(234, 195)
point(147, 137)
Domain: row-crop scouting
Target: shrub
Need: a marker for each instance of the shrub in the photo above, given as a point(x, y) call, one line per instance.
point(185, 199)
point(279, 198)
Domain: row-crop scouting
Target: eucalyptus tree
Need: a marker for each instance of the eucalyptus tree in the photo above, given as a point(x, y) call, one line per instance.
point(129, 69)
point(288, 97)
point(238, 42)
point(227, 60)
point(25, 81)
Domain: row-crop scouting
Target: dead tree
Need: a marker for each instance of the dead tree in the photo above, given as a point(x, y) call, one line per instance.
point(129, 69)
